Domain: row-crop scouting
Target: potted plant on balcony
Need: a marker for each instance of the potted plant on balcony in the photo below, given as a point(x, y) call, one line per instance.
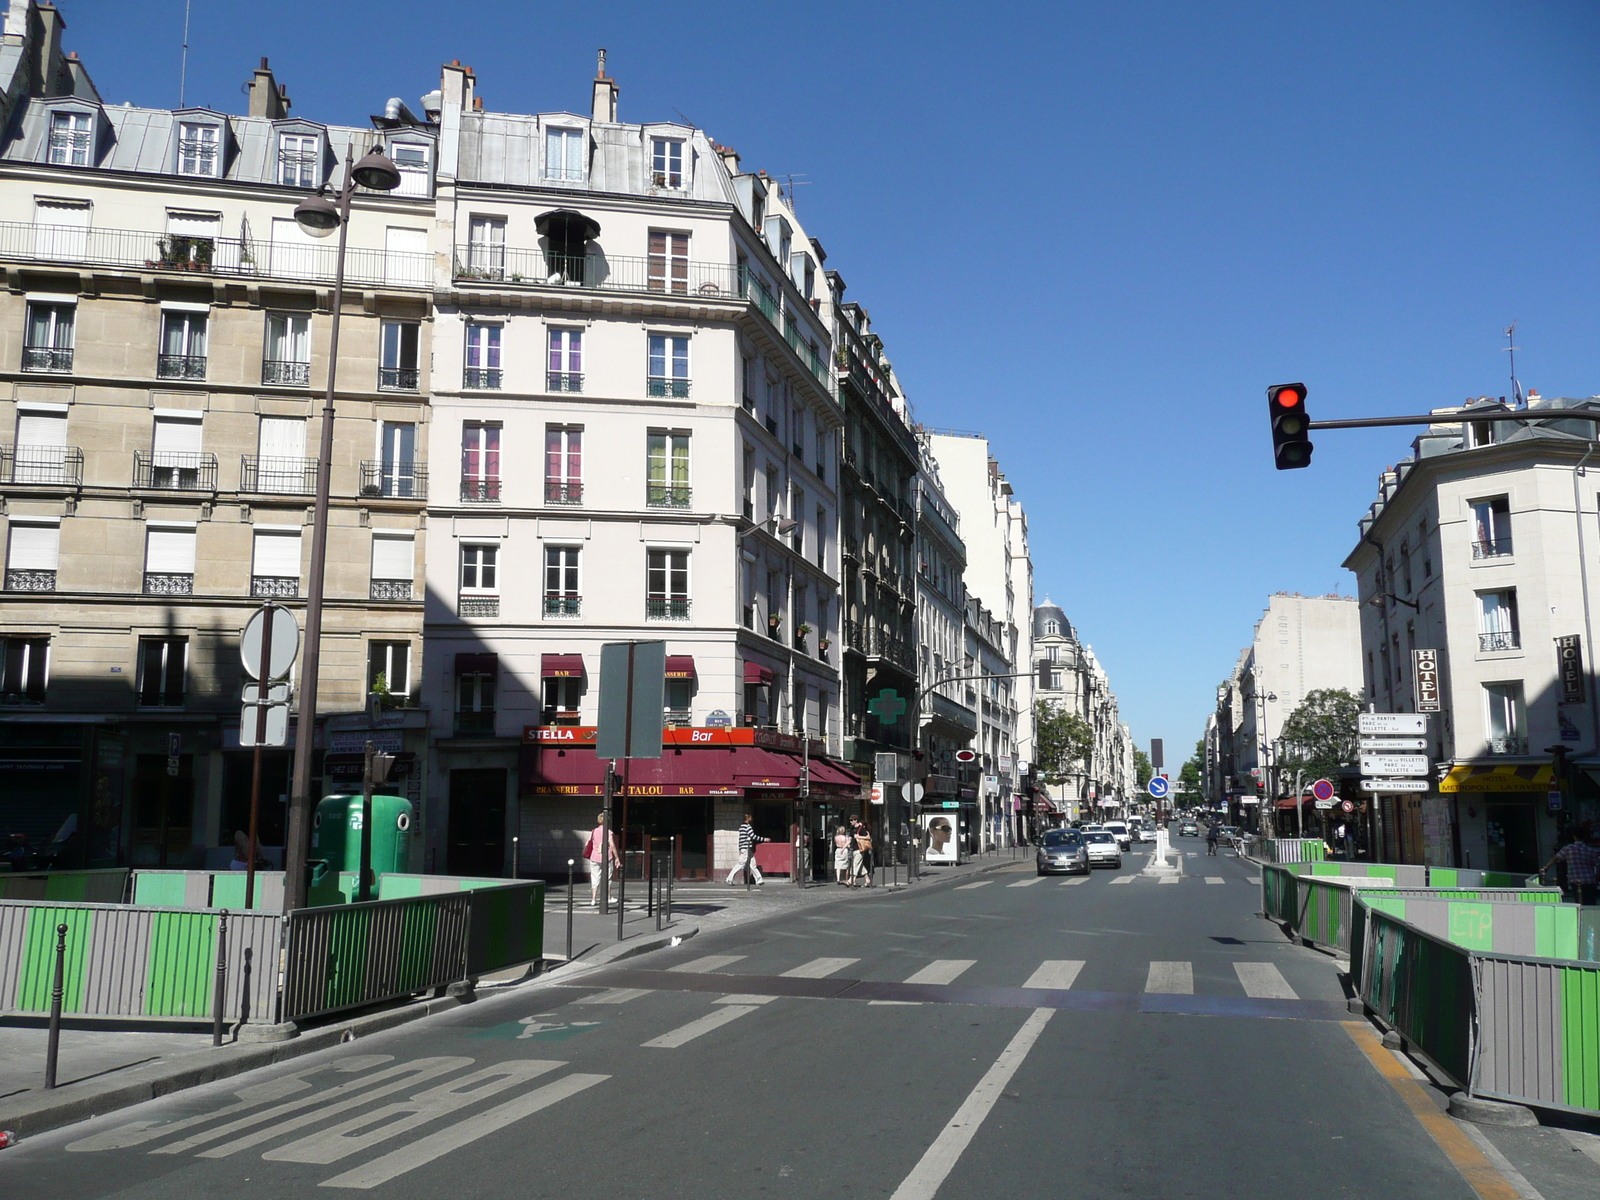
point(823, 643)
point(800, 632)
point(773, 623)
point(382, 697)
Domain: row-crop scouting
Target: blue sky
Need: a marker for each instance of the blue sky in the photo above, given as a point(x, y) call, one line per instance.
point(1095, 232)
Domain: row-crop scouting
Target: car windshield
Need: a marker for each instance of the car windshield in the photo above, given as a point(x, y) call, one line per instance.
point(1098, 837)
point(1061, 837)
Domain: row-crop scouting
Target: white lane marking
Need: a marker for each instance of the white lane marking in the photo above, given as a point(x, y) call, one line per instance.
point(967, 887)
point(1586, 1144)
point(1263, 981)
point(1514, 1177)
point(941, 1157)
point(743, 998)
point(463, 1133)
point(1056, 973)
point(711, 962)
point(1124, 879)
point(942, 970)
point(818, 968)
point(1170, 879)
point(1027, 882)
point(1076, 879)
point(1215, 879)
point(896, 1003)
point(1170, 978)
point(614, 996)
point(687, 1033)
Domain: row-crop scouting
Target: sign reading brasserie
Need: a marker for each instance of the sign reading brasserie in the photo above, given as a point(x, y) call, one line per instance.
point(1425, 663)
point(1569, 665)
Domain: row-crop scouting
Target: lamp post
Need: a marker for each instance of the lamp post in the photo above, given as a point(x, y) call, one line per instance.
point(319, 216)
point(1263, 749)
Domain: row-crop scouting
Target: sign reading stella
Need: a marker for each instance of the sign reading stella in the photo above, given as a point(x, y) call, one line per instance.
point(1426, 665)
point(1569, 665)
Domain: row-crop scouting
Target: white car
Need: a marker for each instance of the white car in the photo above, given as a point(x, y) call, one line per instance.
point(1143, 832)
point(1102, 847)
point(1120, 831)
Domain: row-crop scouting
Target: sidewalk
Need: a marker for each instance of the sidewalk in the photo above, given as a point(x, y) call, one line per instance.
point(100, 1070)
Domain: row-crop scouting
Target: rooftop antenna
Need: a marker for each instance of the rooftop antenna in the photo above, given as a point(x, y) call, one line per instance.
point(183, 69)
point(1516, 388)
point(687, 119)
point(789, 187)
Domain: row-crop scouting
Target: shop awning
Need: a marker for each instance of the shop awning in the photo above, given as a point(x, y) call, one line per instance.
point(756, 673)
point(477, 664)
point(561, 666)
point(1288, 804)
point(754, 767)
point(680, 666)
point(565, 223)
point(832, 775)
point(1508, 777)
point(575, 771)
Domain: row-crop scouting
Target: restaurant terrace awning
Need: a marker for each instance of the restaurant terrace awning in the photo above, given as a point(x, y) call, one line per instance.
point(680, 666)
point(561, 666)
point(1507, 777)
point(573, 770)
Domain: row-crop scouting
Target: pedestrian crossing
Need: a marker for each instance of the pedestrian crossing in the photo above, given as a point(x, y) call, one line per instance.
point(942, 970)
point(1056, 974)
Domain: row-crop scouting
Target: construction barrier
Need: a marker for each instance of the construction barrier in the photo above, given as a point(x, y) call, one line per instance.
point(106, 885)
point(1293, 850)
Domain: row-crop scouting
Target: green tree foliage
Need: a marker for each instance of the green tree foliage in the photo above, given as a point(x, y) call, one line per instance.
point(1061, 740)
point(1191, 779)
point(1142, 770)
point(1320, 734)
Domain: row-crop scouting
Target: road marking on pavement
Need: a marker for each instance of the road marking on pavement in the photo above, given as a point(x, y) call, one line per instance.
point(941, 1157)
point(1586, 1144)
point(819, 968)
point(743, 998)
point(1170, 978)
point(687, 1033)
point(464, 1133)
point(942, 970)
point(967, 887)
point(1215, 879)
point(1124, 879)
point(1027, 882)
point(1263, 981)
point(1478, 1171)
point(1170, 879)
point(614, 996)
point(1076, 879)
point(895, 1003)
point(711, 962)
point(1055, 973)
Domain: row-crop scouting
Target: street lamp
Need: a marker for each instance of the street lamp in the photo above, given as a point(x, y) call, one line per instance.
point(319, 216)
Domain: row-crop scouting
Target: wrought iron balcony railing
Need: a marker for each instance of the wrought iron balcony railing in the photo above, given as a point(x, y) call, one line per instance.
point(562, 605)
point(286, 373)
point(678, 717)
point(667, 495)
point(180, 366)
point(46, 358)
point(391, 589)
point(274, 586)
point(563, 381)
point(563, 491)
point(279, 476)
point(604, 272)
point(181, 471)
point(676, 389)
point(483, 379)
point(168, 583)
point(478, 606)
point(394, 480)
point(30, 581)
point(1511, 640)
point(398, 379)
point(475, 724)
point(60, 466)
point(1493, 548)
point(667, 608)
point(480, 491)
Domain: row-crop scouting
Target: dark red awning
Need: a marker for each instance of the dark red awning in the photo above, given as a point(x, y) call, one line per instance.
point(756, 673)
point(830, 776)
point(477, 664)
point(754, 767)
point(561, 666)
point(575, 771)
point(680, 666)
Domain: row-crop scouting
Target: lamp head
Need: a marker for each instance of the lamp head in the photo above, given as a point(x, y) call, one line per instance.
point(376, 171)
point(317, 215)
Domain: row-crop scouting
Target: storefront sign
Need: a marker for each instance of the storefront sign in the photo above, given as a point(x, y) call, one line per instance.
point(581, 735)
point(1569, 665)
point(356, 743)
point(1425, 666)
point(718, 719)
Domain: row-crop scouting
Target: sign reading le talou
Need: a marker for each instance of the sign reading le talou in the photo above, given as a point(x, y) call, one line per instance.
point(1425, 664)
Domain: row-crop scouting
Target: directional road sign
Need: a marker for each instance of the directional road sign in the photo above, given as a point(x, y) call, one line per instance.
point(913, 792)
point(276, 702)
point(1322, 789)
point(1394, 785)
point(273, 661)
point(1392, 723)
point(1394, 764)
point(1158, 787)
point(1391, 745)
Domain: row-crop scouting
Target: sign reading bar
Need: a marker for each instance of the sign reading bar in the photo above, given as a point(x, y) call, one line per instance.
point(1394, 764)
point(1425, 665)
point(1394, 785)
point(1392, 723)
point(1569, 665)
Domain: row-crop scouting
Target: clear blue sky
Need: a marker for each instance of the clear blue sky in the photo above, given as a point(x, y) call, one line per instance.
point(1094, 231)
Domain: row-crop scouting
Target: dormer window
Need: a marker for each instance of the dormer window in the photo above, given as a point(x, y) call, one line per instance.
point(299, 156)
point(666, 162)
point(563, 155)
point(412, 159)
point(69, 139)
point(199, 150)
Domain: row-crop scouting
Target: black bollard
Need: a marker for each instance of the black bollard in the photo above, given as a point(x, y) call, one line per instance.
point(222, 979)
point(53, 1047)
point(570, 863)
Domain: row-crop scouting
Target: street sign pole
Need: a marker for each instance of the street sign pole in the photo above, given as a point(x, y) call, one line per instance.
point(255, 775)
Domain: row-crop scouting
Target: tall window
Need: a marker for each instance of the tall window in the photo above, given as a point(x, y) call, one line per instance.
point(389, 669)
point(1491, 532)
point(1506, 718)
point(797, 514)
point(486, 248)
point(183, 346)
point(666, 162)
point(161, 671)
point(561, 595)
point(566, 361)
point(412, 159)
point(669, 262)
point(169, 557)
point(48, 344)
point(667, 585)
point(480, 580)
point(23, 669)
point(394, 562)
point(197, 149)
point(822, 536)
point(275, 563)
point(562, 695)
point(483, 356)
point(667, 470)
point(563, 465)
point(69, 139)
point(397, 371)
point(281, 464)
point(298, 155)
point(42, 454)
point(669, 366)
point(480, 461)
point(1498, 628)
point(475, 689)
point(398, 472)
point(288, 357)
point(33, 552)
point(563, 154)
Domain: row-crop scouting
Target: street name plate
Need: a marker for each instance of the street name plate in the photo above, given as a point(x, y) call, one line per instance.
point(1392, 723)
point(1394, 764)
point(1394, 785)
point(1392, 745)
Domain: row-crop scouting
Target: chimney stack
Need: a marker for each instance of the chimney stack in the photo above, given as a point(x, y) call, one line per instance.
point(730, 158)
point(605, 95)
point(267, 98)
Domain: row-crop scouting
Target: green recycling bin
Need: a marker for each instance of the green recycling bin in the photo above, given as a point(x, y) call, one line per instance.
point(336, 833)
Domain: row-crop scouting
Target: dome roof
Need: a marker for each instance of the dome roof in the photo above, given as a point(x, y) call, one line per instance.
point(1050, 612)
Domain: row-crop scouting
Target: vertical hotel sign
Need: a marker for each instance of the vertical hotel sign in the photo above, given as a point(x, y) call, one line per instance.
point(1569, 666)
point(1425, 665)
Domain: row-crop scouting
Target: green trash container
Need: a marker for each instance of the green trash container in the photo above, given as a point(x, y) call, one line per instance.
point(336, 833)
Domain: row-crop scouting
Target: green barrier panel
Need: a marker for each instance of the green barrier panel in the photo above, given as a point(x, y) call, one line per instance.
point(1580, 1002)
point(162, 889)
point(38, 972)
point(182, 964)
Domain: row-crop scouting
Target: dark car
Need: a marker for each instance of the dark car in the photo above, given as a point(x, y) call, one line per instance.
point(1188, 829)
point(1062, 850)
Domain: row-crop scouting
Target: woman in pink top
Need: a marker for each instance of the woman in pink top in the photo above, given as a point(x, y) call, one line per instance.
point(594, 856)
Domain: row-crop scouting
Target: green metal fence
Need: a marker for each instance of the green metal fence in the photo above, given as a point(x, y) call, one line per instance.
point(101, 886)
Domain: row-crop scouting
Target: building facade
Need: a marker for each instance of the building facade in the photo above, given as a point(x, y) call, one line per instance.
point(1067, 675)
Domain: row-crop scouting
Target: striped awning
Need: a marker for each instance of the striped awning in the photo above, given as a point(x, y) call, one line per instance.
point(1526, 777)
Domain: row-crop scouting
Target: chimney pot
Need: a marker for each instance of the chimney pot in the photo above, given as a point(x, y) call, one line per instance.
point(455, 62)
point(263, 62)
point(477, 104)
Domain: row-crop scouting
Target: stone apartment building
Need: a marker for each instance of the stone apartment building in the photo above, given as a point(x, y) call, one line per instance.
point(1068, 674)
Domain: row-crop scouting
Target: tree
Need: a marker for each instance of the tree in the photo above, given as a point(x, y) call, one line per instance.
point(1142, 770)
point(1191, 779)
point(1320, 734)
point(1061, 740)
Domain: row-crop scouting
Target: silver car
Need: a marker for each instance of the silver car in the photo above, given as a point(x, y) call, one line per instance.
point(1102, 848)
point(1062, 850)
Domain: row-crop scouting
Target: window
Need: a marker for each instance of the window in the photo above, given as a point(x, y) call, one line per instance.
point(23, 671)
point(281, 464)
point(822, 536)
point(480, 461)
point(61, 228)
point(176, 460)
point(48, 342)
point(797, 514)
point(669, 366)
point(169, 556)
point(33, 552)
point(275, 563)
point(480, 580)
point(389, 669)
point(69, 139)
point(288, 356)
point(774, 496)
point(667, 470)
point(667, 585)
point(562, 695)
point(1052, 628)
point(1052, 653)
point(183, 346)
point(197, 149)
point(483, 356)
point(666, 163)
point(563, 154)
point(1497, 621)
point(42, 454)
point(669, 262)
point(394, 560)
point(1491, 528)
point(412, 159)
point(486, 248)
point(298, 159)
point(399, 475)
point(398, 369)
point(676, 701)
point(1506, 721)
point(566, 361)
point(475, 689)
point(561, 595)
point(191, 241)
point(161, 671)
point(563, 464)
point(747, 385)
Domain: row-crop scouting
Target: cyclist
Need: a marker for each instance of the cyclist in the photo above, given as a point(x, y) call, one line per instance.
point(1213, 831)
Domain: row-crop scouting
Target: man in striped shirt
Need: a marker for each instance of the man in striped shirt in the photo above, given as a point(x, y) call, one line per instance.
point(748, 840)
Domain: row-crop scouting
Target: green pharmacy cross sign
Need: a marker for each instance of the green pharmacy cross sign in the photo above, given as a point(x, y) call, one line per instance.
point(887, 706)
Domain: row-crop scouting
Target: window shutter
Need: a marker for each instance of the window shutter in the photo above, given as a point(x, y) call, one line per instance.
point(277, 554)
point(175, 436)
point(194, 224)
point(283, 437)
point(42, 429)
point(393, 557)
point(34, 547)
point(170, 552)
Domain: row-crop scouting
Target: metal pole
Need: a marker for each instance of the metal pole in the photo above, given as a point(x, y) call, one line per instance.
point(221, 990)
point(672, 872)
point(298, 836)
point(571, 862)
point(649, 880)
point(53, 1046)
point(255, 768)
point(516, 864)
point(605, 840)
point(364, 883)
point(627, 743)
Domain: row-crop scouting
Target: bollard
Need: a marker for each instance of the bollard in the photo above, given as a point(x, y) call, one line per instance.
point(516, 864)
point(662, 886)
point(244, 987)
point(53, 1047)
point(221, 990)
point(650, 883)
point(670, 874)
point(570, 863)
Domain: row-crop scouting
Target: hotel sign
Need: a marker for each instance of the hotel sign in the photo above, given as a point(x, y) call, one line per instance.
point(1569, 666)
point(1425, 668)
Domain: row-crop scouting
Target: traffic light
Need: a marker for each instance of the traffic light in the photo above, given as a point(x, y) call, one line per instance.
point(1291, 427)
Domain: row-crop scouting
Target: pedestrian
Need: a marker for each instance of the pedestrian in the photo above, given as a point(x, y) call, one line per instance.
point(749, 839)
point(1582, 858)
point(19, 854)
point(594, 857)
point(842, 845)
point(1339, 842)
point(861, 856)
point(1213, 831)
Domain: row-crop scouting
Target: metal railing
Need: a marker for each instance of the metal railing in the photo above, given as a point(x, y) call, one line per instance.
point(181, 366)
point(478, 606)
point(30, 581)
point(279, 371)
point(667, 495)
point(563, 381)
point(876, 643)
point(677, 716)
point(1504, 640)
point(56, 465)
point(560, 605)
point(482, 379)
point(398, 379)
point(391, 589)
point(1508, 744)
point(675, 389)
point(394, 480)
point(277, 476)
point(563, 491)
point(181, 471)
point(480, 491)
point(168, 583)
point(279, 586)
point(1493, 548)
point(475, 724)
point(612, 273)
point(667, 608)
point(46, 358)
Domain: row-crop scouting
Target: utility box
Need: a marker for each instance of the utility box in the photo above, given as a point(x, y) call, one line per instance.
point(336, 833)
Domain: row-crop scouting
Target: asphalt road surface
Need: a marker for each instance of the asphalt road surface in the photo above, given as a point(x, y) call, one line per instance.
point(1012, 1036)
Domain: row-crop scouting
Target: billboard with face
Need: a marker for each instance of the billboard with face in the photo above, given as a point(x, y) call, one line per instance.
point(938, 837)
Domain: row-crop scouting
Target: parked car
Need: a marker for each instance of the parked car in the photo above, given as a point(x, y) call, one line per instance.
point(1188, 829)
point(1101, 846)
point(1062, 850)
point(1120, 831)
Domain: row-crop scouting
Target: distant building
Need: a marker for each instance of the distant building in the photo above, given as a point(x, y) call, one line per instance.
point(1067, 674)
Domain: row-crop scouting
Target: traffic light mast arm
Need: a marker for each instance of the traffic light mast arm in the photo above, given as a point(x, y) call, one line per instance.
point(1538, 414)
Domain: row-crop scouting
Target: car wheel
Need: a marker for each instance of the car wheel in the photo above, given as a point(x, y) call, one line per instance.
point(1041, 870)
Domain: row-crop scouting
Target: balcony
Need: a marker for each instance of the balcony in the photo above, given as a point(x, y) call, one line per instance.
point(391, 589)
point(277, 476)
point(563, 381)
point(177, 471)
point(602, 272)
point(562, 605)
point(475, 724)
point(287, 374)
point(666, 608)
point(1508, 744)
point(481, 379)
point(45, 358)
point(1488, 642)
point(398, 379)
point(478, 606)
point(876, 643)
point(563, 491)
point(480, 491)
point(168, 583)
point(270, 587)
point(679, 718)
point(667, 495)
point(672, 389)
point(30, 581)
point(394, 480)
point(181, 366)
point(59, 466)
point(1494, 548)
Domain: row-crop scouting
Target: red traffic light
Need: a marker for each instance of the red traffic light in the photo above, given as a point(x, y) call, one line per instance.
point(1291, 426)
point(1289, 394)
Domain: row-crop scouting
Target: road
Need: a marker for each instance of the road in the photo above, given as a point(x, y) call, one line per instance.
point(1109, 1037)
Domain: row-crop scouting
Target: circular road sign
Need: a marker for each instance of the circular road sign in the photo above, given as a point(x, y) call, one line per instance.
point(273, 661)
point(966, 756)
point(1158, 787)
point(1348, 806)
point(1322, 789)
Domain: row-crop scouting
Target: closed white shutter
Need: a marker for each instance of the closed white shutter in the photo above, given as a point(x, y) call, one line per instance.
point(34, 547)
point(61, 229)
point(169, 552)
point(277, 553)
point(41, 429)
point(405, 259)
point(206, 225)
point(393, 557)
point(294, 251)
point(175, 436)
point(283, 437)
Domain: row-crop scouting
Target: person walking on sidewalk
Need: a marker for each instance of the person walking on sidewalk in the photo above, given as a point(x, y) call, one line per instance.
point(749, 839)
point(842, 843)
point(594, 857)
point(860, 855)
point(1582, 857)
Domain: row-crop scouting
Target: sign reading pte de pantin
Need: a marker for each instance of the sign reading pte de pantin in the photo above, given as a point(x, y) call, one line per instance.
point(1569, 666)
point(1425, 664)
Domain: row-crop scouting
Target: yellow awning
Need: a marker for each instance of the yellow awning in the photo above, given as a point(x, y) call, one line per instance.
point(1525, 777)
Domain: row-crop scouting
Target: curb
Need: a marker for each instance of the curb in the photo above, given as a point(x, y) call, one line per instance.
point(1490, 1112)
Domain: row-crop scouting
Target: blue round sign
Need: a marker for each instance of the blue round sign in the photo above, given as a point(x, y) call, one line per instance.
point(1158, 787)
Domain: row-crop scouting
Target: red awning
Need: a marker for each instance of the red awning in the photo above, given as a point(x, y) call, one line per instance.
point(1289, 804)
point(680, 666)
point(551, 771)
point(756, 673)
point(754, 767)
point(477, 664)
point(561, 666)
point(830, 776)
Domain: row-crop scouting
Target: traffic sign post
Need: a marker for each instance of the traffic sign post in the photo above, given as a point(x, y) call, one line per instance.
point(267, 648)
point(1322, 791)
